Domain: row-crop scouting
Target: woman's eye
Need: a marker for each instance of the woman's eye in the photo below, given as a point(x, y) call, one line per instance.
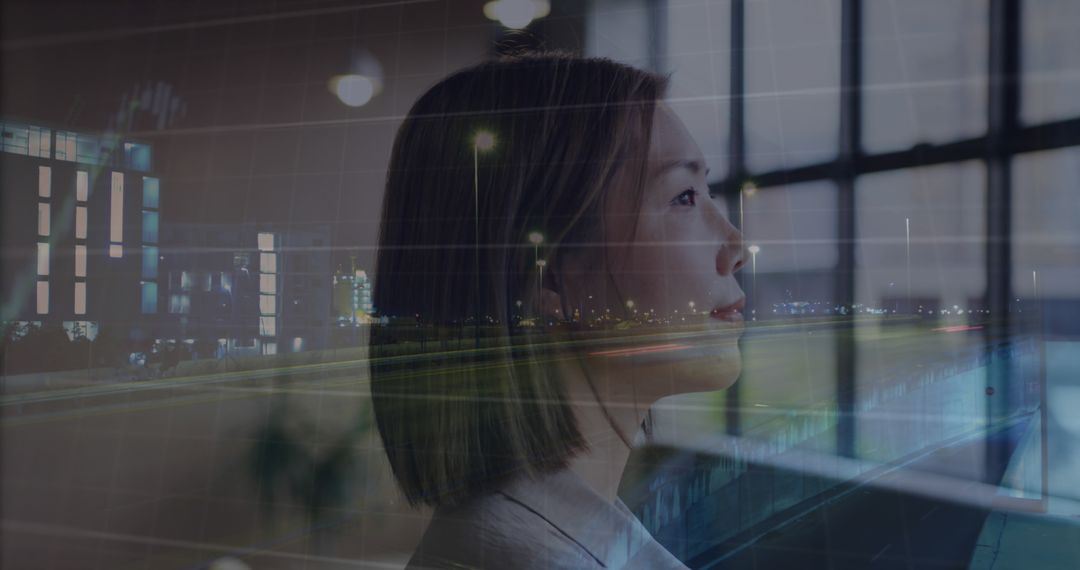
point(687, 198)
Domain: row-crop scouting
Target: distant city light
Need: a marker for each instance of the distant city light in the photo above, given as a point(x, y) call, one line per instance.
point(516, 14)
point(484, 140)
point(353, 90)
point(536, 238)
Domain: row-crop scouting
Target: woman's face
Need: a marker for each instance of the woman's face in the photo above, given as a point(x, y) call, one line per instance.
point(676, 257)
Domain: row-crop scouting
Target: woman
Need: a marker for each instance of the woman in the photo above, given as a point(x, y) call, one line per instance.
point(558, 192)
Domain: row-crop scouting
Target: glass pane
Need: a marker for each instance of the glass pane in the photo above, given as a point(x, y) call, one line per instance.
point(42, 258)
point(150, 262)
point(1046, 233)
point(44, 181)
point(151, 188)
point(789, 279)
point(1050, 55)
point(699, 59)
point(80, 222)
point(618, 29)
point(80, 298)
point(44, 219)
point(82, 185)
point(80, 261)
point(792, 67)
point(149, 298)
point(920, 283)
point(149, 227)
point(942, 210)
point(924, 69)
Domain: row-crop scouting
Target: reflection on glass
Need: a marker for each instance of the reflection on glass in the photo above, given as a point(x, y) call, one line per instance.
point(924, 66)
point(1046, 231)
point(792, 82)
point(1050, 55)
point(698, 56)
point(920, 368)
point(921, 246)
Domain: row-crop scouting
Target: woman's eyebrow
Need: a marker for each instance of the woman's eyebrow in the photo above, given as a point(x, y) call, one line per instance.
point(694, 166)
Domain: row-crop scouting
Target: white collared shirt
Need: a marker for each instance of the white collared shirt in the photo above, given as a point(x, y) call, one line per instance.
point(554, 521)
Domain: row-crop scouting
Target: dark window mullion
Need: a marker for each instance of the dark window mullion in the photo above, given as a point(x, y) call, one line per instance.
point(847, 167)
point(1003, 108)
point(732, 187)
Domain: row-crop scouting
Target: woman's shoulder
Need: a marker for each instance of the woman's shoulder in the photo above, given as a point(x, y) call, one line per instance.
point(497, 531)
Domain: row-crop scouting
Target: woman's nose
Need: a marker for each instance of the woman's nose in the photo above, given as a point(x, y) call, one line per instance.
point(731, 254)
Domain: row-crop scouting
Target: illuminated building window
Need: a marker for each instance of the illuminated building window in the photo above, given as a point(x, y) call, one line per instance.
point(44, 184)
point(116, 250)
point(266, 241)
point(116, 209)
point(150, 262)
point(82, 186)
point(137, 156)
point(267, 304)
point(149, 297)
point(80, 261)
point(268, 262)
point(80, 222)
point(43, 218)
point(80, 298)
point(269, 348)
point(267, 283)
point(150, 227)
point(150, 188)
point(42, 297)
point(179, 304)
point(42, 258)
point(268, 326)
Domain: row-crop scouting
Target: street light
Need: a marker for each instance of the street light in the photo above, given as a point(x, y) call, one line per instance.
point(483, 140)
point(754, 249)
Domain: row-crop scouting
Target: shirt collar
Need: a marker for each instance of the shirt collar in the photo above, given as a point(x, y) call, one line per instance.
point(608, 532)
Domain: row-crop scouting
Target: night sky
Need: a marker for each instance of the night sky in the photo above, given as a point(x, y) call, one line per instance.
point(234, 96)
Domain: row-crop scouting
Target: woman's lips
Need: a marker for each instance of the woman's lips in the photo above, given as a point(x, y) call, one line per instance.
point(732, 312)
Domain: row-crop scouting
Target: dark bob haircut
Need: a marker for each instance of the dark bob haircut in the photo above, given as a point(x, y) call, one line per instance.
point(485, 158)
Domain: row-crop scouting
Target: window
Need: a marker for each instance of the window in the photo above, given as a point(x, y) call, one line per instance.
point(42, 258)
point(149, 297)
point(149, 227)
point(151, 188)
point(1046, 234)
point(137, 156)
point(792, 67)
point(80, 261)
point(82, 186)
point(116, 211)
point(179, 304)
point(80, 222)
point(266, 241)
point(268, 326)
point(267, 283)
point(268, 262)
point(80, 298)
point(921, 236)
point(1051, 60)
point(42, 297)
point(149, 262)
point(267, 304)
point(116, 250)
point(44, 181)
point(924, 64)
point(43, 219)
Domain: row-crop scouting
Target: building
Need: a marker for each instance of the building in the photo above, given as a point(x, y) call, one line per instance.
point(352, 296)
point(246, 288)
point(80, 230)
